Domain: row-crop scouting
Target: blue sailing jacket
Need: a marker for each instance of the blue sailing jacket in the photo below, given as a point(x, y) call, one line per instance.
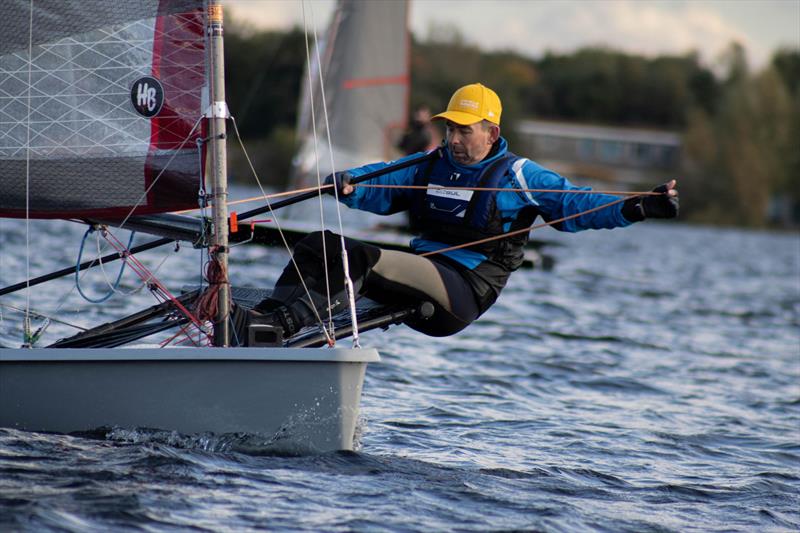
point(521, 174)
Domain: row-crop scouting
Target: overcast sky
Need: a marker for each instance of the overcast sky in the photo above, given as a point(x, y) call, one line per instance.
point(532, 27)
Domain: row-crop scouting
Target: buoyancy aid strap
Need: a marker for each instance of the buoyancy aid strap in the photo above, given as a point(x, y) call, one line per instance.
point(489, 177)
point(423, 178)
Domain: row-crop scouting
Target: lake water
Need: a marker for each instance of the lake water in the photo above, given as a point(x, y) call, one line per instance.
point(650, 382)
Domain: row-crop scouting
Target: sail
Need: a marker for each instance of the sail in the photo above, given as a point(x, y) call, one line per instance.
point(99, 103)
point(365, 64)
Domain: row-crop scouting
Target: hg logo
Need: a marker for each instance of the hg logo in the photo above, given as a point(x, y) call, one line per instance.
point(147, 96)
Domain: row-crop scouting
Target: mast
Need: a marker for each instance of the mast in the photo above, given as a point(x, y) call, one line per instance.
point(219, 171)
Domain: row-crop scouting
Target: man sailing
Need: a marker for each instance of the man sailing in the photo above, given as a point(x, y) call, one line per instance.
point(461, 283)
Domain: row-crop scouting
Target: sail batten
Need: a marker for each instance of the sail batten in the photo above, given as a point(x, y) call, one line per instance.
point(108, 123)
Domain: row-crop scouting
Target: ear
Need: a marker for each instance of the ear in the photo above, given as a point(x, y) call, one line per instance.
point(494, 133)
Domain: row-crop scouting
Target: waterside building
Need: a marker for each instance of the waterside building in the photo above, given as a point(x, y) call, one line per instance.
point(625, 157)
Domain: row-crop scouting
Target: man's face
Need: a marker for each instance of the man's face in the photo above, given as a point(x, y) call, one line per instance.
point(470, 144)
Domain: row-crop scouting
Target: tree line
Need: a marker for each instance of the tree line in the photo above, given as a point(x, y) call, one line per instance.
point(741, 129)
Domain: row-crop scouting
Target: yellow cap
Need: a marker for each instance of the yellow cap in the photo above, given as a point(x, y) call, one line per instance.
point(471, 104)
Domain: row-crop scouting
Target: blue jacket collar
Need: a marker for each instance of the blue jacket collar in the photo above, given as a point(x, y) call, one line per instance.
point(501, 151)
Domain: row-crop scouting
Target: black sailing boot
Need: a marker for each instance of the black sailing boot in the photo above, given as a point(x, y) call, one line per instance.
point(300, 313)
point(252, 328)
point(290, 307)
point(264, 330)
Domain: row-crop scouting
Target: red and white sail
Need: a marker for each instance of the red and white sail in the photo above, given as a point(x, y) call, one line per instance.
point(100, 106)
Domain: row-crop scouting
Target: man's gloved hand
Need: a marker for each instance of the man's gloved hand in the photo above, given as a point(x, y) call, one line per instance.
point(663, 206)
point(342, 181)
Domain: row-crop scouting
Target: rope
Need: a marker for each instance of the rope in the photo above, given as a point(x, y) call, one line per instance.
point(85, 272)
point(321, 188)
point(183, 331)
point(507, 189)
point(113, 287)
point(158, 288)
point(625, 195)
point(524, 230)
point(206, 307)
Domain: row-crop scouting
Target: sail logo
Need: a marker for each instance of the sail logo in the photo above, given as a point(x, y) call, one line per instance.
point(147, 96)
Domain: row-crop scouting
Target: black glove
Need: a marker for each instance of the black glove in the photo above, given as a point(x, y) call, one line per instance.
point(639, 208)
point(340, 179)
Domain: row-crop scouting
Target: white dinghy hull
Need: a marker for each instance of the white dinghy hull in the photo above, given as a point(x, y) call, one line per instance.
point(299, 400)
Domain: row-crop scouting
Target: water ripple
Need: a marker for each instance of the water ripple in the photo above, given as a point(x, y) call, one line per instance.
point(649, 383)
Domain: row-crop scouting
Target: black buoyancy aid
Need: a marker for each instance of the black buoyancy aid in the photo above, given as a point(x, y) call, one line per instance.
point(455, 215)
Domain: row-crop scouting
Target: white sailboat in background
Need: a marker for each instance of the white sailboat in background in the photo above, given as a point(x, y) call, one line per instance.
point(365, 61)
point(114, 111)
point(365, 58)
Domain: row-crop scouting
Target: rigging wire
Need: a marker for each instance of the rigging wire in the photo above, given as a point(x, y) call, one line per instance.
point(37, 314)
point(316, 162)
point(288, 248)
point(28, 340)
point(202, 202)
point(348, 282)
